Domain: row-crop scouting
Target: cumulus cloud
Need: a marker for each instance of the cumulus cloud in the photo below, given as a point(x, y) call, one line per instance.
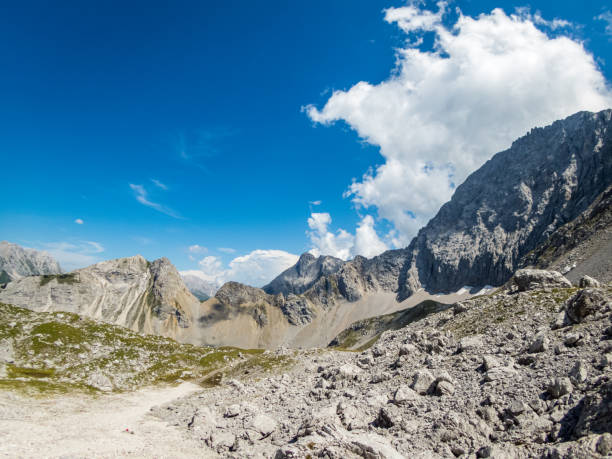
point(256, 268)
point(79, 221)
point(443, 112)
point(142, 196)
point(341, 243)
point(74, 255)
point(197, 249)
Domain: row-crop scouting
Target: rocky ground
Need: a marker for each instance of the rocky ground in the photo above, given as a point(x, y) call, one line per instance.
point(522, 372)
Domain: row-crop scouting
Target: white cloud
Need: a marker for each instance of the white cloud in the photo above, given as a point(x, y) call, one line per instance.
point(74, 255)
point(315, 203)
point(341, 243)
point(606, 16)
point(256, 268)
point(226, 250)
point(324, 242)
point(142, 197)
point(197, 249)
point(442, 113)
point(78, 221)
point(367, 242)
point(159, 184)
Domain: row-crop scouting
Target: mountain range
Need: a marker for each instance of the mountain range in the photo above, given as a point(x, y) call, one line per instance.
point(543, 202)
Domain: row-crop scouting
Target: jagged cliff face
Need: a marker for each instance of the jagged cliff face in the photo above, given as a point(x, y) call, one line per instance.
point(580, 247)
point(17, 262)
point(513, 203)
point(304, 274)
point(131, 292)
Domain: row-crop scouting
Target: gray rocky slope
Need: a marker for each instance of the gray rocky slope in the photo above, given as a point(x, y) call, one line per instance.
point(523, 372)
point(497, 217)
point(144, 296)
point(17, 262)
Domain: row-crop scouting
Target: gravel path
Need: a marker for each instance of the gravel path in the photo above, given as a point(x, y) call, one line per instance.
point(71, 426)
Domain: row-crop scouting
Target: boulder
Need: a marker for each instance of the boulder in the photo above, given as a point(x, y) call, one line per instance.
point(588, 281)
point(263, 424)
point(541, 343)
point(596, 414)
point(422, 381)
point(531, 279)
point(558, 387)
point(404, 394)
point(583, 304)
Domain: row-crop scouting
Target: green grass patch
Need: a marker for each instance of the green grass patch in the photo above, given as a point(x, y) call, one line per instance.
point(70, 278)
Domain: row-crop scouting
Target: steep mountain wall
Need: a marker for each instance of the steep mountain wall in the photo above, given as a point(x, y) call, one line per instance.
point(513, 203)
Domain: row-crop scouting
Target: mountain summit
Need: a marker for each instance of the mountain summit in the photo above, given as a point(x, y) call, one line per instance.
point(17, 262)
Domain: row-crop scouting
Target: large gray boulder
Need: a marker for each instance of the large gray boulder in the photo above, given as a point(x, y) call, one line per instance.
point(584, 303)
point(532, 279)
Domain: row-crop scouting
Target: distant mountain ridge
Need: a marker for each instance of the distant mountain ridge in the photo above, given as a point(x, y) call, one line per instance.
point(148, 297)
point(200, 287)
point(301, 276)
point(17, 262)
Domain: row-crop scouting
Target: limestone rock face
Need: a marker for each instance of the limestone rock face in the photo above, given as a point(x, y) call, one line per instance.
point(512, 203)
point(131, 292)
point(303, 274)
point(17, 262)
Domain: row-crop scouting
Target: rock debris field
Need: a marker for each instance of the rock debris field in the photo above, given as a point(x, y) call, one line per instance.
point(523, 372)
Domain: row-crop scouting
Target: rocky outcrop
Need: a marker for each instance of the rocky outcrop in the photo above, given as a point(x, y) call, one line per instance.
point(17, 262)
point(131, 292)
point(303, 274)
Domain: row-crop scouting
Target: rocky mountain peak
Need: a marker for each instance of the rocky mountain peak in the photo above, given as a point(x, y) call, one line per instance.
point(17, 262)
point(234, 294)
point(304, 274)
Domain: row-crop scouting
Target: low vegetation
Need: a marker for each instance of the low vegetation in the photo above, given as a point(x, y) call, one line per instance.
point(62, 352)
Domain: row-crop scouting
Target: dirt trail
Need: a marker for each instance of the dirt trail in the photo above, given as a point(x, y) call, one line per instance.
point(71, 426)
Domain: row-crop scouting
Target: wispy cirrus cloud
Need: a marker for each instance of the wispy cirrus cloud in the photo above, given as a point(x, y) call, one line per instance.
point(159, 184)
point(142, 196)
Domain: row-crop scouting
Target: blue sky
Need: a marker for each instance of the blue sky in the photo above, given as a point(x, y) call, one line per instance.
point(152, 127)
